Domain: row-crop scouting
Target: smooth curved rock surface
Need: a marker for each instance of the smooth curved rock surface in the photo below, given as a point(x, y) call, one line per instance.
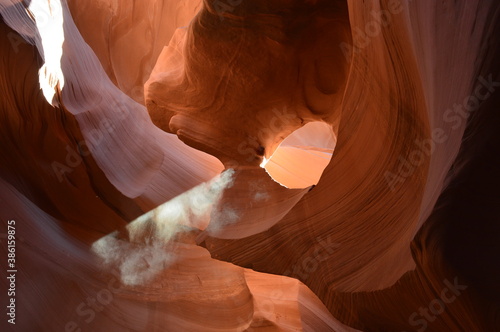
point(133, 135)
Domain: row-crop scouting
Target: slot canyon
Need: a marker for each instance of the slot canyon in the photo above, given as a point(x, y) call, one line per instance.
point(250, 165)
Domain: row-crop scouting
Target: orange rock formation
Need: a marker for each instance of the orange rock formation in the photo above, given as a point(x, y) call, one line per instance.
point(236, 165)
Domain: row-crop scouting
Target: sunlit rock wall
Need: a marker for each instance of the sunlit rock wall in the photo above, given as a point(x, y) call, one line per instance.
point(134, 138)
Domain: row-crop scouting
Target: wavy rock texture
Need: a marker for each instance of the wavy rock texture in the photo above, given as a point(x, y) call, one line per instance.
point(133, 135)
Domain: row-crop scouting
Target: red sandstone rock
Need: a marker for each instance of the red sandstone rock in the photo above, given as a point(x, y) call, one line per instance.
point(133, 135)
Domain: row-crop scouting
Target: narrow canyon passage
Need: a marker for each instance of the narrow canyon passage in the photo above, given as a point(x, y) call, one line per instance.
point(237, 165)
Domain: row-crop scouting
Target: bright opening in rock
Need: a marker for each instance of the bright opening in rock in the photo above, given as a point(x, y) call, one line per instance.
point(299, 161)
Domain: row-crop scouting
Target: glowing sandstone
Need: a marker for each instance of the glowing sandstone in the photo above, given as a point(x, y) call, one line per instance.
point(172, 106)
